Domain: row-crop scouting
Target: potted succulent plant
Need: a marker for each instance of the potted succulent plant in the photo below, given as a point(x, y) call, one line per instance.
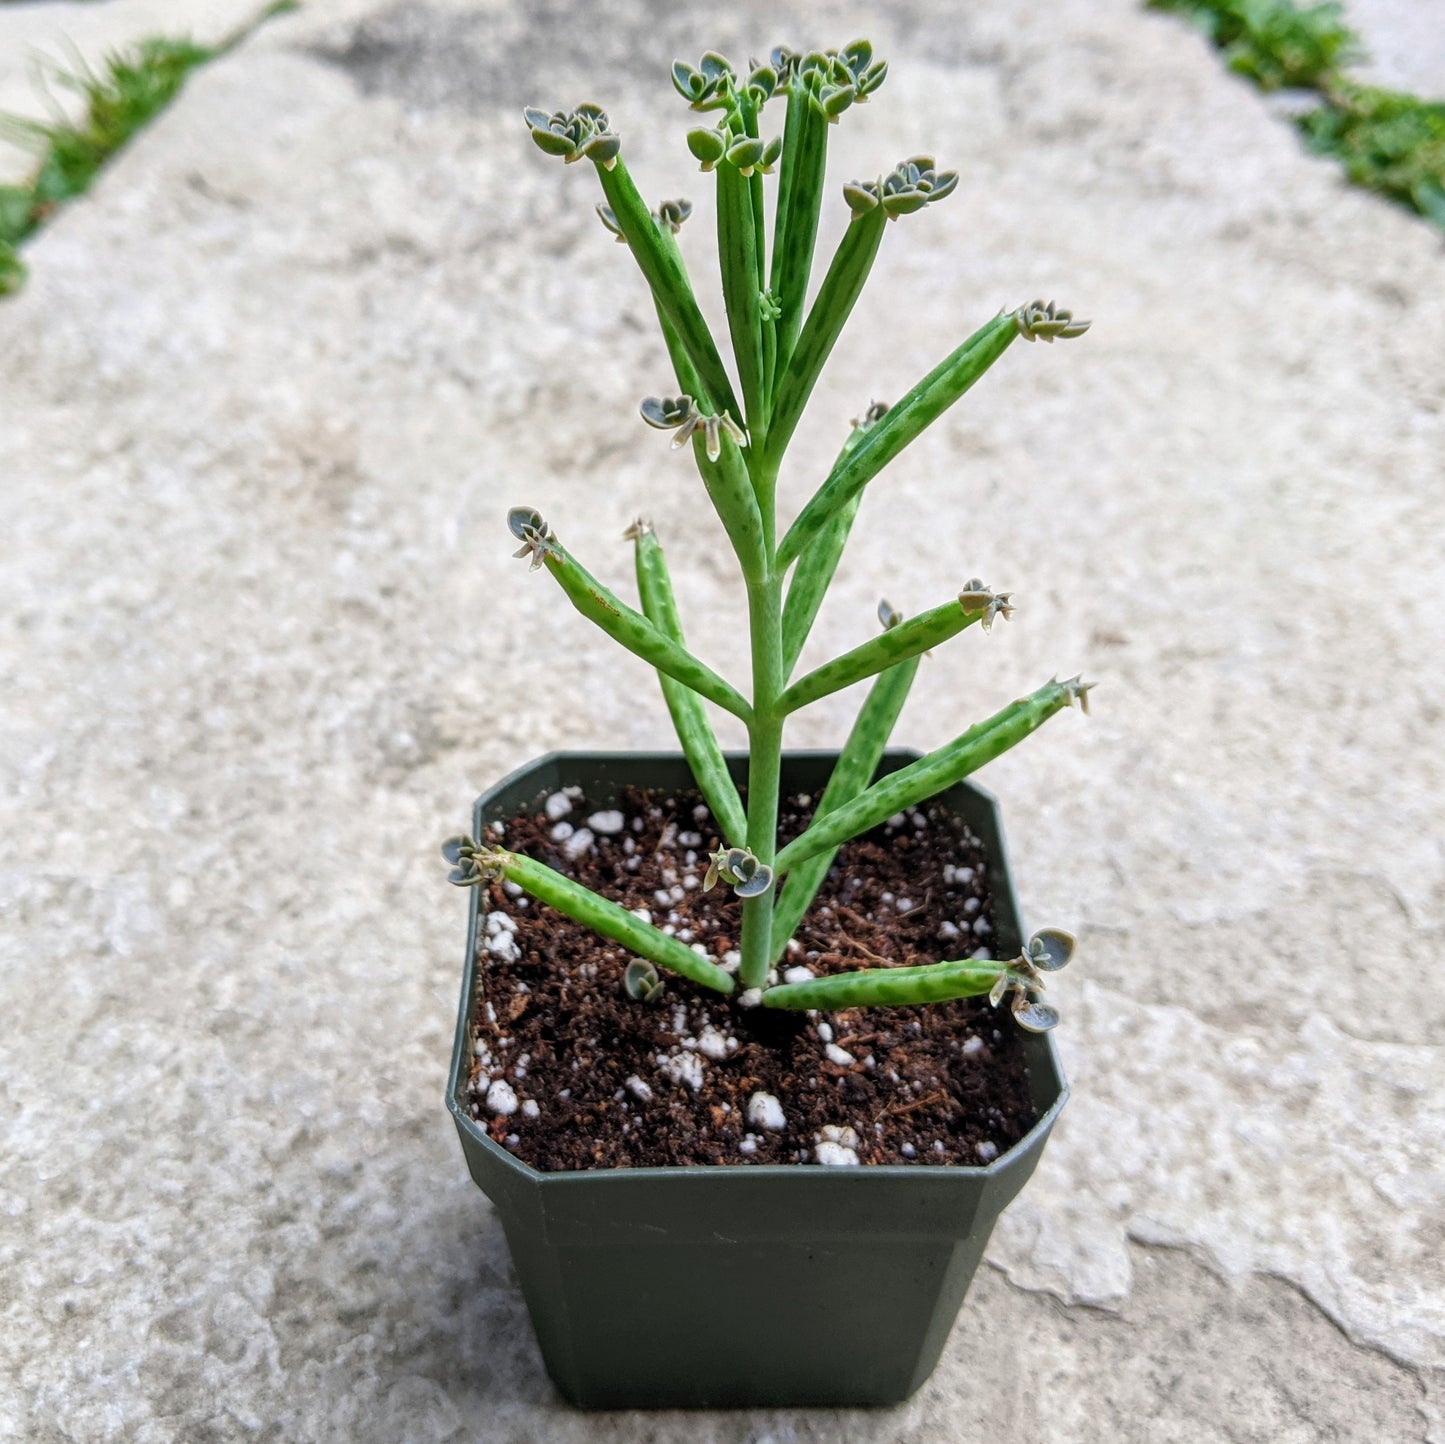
point(753, 1269)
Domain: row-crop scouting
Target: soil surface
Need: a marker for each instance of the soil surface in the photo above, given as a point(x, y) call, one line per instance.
point(569, 1072)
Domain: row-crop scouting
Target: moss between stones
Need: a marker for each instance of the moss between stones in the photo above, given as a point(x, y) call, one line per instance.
point(1389, 141)
point(127, 93)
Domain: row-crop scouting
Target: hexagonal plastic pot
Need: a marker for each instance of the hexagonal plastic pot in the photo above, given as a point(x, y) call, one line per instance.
point(753, 1285)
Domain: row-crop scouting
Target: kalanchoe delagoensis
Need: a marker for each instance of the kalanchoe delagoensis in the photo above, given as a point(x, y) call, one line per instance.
point(670, 214)
point(673, 213)
point(679, 414)
point(708, 146)
point(779, 342)
point(909, 186)
point(708, 86)
point(836, 79)
point(537, 538)
point(749, 153)
point(762, 83)
point(976, 597)
point(641, 981)
point(471, 862)
point(575, 134)
point(609, 222)
point(1048, 950)
point(737, 867)
point(833, 80)
point(1077, 691)
point(1038, 322)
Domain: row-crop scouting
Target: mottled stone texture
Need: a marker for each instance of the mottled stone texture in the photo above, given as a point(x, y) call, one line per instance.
point(265, 401)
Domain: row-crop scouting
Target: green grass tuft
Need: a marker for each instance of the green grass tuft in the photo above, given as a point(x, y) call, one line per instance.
point(1392, 143)
point(1388, 141)
point(129, 91)
point(1274, 43)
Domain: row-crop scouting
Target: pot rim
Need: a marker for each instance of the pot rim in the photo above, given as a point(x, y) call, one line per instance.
point(574, 1177)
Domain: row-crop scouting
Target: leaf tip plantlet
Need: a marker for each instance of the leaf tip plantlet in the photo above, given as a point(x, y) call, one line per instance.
point(471, 862)
point(573, 134)
point(1077, 692)
point(1040, 322)
point(737, 867)
point(976, 597)
point(642, 982)
point(1048, 950)
point(538, 539)
point(681, 416)
point(908, 187)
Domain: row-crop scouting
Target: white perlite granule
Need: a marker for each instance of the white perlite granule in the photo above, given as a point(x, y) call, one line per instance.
point(836, 1146)
point(765, 1111)
point(713, 1044)
point(682, 1068)
point(501, 1097)
point(557, 807)
point(500, 943)
point(608, 823)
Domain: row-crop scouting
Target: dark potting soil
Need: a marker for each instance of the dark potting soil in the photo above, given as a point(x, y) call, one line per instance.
point(569, 1072)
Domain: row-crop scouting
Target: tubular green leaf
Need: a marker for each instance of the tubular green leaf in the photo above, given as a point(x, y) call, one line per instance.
point(841, 287)
point(767, 324)
point(930, 775)
point(731, 491)
point(814, 573)
point(811, 580)
point(584, 906)
point(805, 155)
point(853, 771)
point(694, 731)
point(797, 110)
point(689, 383)
point(897, 644)
point(742, 286)
point(637, 634)
point(661, 266)
point(923, 405)
point(879, 987)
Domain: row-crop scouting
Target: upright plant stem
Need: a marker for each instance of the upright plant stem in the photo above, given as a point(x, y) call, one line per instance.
point(765, 729)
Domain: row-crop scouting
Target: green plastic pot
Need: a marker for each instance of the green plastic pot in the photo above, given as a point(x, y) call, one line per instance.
point(747, 1285)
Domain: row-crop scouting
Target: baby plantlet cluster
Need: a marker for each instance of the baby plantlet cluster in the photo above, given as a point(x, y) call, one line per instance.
point(739, 424)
